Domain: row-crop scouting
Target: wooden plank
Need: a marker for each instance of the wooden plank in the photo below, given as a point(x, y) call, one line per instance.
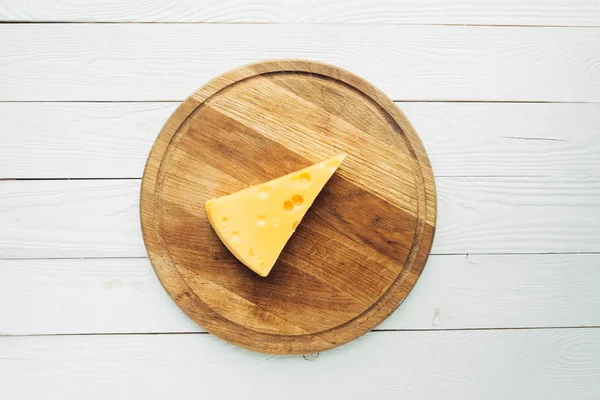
point(78, 140)
point(524, 215)
point(534, 364)
point(112, 140)
point(70, 219)
point(65, 219)
point(168, 61)
point(496, 12)
point(85, 296)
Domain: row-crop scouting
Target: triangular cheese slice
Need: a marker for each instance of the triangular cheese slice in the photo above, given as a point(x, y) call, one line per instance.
point(256, 223)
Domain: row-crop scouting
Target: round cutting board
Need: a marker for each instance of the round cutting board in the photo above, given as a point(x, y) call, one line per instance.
point(361, 246)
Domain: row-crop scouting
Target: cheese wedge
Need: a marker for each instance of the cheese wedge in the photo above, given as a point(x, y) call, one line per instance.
point(257, 222)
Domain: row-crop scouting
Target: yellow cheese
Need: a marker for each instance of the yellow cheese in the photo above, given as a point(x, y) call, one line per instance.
point(256, 223)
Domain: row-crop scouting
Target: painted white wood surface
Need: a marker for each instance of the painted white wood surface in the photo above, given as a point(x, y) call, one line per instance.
point(491, 12)
point(520, 364)
point(65, 219)
point(512, 178)
point(112, 140)
point(85, 296)
point(168, 61)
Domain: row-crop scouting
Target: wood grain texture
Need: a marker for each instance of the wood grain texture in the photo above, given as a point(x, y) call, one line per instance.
point(575, 206)
point(360, 248)
point(51, 219)
point(67, 219)
point(496, 12)
point(91, 296)
point(112, 140)
point(554, 364)
point(78, 140)
point(165, 62)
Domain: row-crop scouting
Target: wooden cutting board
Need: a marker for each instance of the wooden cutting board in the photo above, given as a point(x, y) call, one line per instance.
point(358, 251)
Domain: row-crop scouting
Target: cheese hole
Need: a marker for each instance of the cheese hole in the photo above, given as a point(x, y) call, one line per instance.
point(263, 193)
point(297, 200)
point(296, 225)
point(288, 205)
point(224, 223)
point(251, 253)
point(236, 239)
point(261, 262)
point(304, 178)
point(261, 220)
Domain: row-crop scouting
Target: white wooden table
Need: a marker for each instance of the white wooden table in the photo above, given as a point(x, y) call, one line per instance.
point(505, 95)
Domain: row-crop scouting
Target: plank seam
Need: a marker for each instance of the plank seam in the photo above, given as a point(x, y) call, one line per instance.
point(433, 254)
point(76, 22)
point(533, 328)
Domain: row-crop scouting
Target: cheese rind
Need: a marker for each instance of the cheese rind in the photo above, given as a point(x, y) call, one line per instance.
point(256, 223)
